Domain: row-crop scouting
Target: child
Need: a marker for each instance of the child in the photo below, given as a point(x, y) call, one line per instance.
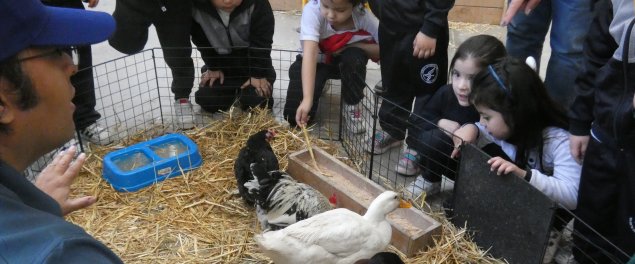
point(347, 36)
point(518, 115)
point(171, 19)
point(234, 38)
point(414, 61)
point(445, 112)
point(529, 129)
point(603, 123)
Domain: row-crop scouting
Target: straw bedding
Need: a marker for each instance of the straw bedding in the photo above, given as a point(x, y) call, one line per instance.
point(198, 217)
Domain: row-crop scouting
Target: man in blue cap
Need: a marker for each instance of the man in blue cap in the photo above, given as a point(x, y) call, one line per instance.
point(36, 116)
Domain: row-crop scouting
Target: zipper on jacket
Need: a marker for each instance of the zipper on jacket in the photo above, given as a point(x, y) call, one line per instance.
point(162, 5)
point(621, 102)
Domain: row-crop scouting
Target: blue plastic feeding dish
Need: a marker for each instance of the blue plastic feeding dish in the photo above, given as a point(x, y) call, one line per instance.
point(155, 160)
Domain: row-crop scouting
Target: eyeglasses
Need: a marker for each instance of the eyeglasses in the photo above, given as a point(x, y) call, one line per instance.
point(56, 53)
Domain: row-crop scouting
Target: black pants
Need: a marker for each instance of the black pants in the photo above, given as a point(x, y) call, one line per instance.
point(606, 201)
point(133, 18)
point(349, 66)
point(405, 78)
point(84, 100)
point(222, 96)
point(434, 147)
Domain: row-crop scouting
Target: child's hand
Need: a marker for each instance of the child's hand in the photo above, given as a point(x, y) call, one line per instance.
point(503, 167)
point(577, 146)
point(262, 85)
point(467, 134)
point(209, 77)
point(302, 114)
point(56, 179)
point(448, 126)
point(423, 46)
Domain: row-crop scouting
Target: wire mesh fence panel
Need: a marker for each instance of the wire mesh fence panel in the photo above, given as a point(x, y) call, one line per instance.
point(384, 139)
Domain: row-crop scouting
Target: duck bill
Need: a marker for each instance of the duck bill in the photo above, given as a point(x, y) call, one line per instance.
point(404, 204)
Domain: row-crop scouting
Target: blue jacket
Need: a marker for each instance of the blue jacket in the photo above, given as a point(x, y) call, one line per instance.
point(32, 229)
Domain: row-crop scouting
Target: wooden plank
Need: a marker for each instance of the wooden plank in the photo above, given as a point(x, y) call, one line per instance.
point(480, 3)
point(412, 229)
point(480, 15)
point(285, 5)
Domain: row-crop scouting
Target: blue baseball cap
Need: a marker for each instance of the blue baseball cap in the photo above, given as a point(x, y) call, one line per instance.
point(28, 23)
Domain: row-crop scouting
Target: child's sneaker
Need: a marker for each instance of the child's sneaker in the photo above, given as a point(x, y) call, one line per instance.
point(409, 163)
point(421, 185)
point(382, 142)
point(183, 113)
point(353, 118)
point(96, 134)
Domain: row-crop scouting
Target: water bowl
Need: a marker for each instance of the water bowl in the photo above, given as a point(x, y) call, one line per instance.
point(149, 162)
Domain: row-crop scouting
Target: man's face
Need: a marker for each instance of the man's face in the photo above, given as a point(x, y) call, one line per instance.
point(50, 121)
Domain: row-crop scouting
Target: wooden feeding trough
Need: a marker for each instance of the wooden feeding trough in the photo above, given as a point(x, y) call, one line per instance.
point(412, 230)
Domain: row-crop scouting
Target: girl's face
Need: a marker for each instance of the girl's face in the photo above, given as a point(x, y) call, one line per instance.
point(493, 122)
point(226, 5)
point(337, 12)
point(462, 74)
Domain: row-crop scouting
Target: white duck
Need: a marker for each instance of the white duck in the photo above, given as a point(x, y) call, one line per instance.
point(337, 236)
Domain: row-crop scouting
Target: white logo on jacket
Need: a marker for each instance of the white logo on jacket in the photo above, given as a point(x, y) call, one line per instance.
point(429, 73)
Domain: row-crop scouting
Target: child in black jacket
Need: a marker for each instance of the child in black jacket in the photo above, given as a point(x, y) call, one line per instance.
point(234, 38)
point(413, 46)
point(603, 137)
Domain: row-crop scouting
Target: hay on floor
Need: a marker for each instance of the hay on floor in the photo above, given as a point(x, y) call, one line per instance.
point(198, 217)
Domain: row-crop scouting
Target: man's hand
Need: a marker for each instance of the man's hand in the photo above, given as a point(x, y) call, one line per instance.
point(514, 6)
point(578, 145)
point(56, 179)
point(91, 3)
point(423, 46)
point(262, 85)
point(302, 114)
point(209, 77)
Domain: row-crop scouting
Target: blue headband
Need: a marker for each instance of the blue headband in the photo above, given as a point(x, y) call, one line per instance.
point(498, 80)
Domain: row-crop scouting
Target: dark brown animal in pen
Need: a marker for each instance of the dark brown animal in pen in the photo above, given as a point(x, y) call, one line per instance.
point(256, 150)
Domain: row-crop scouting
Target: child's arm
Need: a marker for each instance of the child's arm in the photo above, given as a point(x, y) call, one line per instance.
point(260, 39)
point(466, 134)
point(309, 65)
point(596, 54)
point(435, 23)
point(563, 185)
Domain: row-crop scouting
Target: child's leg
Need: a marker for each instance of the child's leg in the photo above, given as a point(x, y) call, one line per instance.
point(219, 96)
point(598, 203)
point(434, 147)
point(352, 63)
point(294, 92)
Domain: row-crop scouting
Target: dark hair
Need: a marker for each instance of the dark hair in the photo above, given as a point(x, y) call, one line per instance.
point(17, 85)
point(483, 49)
point(355, 3)
point(517, 92)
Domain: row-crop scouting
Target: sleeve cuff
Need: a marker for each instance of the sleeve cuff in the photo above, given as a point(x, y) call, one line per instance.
point(430, 30)
point(579, 128)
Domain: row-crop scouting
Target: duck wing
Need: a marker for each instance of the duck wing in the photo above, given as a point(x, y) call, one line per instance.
point(339, 231)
